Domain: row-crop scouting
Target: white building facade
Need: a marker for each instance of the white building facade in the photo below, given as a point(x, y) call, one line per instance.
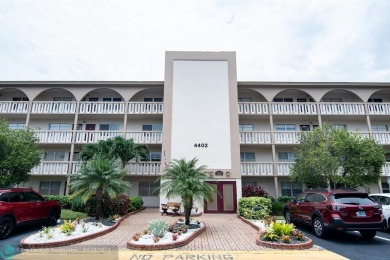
point(244, 132)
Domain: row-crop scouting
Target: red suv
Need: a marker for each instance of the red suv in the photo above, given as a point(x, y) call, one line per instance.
point(19, 206)
point(342, 210)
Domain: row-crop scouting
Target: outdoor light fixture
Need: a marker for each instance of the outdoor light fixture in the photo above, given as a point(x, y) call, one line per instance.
point(227, 174)
point(211, 173)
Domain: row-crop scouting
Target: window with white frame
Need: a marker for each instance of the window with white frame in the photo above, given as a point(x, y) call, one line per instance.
point(249, 183)
point(15, 126)
point(290, 189)
point(109, 127)
point(152, 127)
point(153, 156)
point(283, 100)
point(62, 98)
point(286, 157)
point(244, 99)
point(375, 100)
point(285, 127)
point(20, 99)
point(153, 99)
point(58, 126)
point(379, 128)
point(112, 99)
point(49, 187)
point(54, 156)
point(385, 187)
point(147, 188)
point(247, 157)
point(246, 128)
point(339, 126)
point(332, 100)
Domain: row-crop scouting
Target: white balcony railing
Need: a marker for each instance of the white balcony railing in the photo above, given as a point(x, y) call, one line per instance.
point(51, 168)
point(53, 136)
point(256, 169)
point(13, 107)
point(145, 137)
point(283, 137)
point(386, 170)
point(253, 108)
point(146, 108)
point(378, 108)
point(143, 168)
point(53, 107)
point(382, 137)
point(342, 108)
point(255, 137)
point(294, 108)
point(95, 136)
point(283, 168)
point(102, 107)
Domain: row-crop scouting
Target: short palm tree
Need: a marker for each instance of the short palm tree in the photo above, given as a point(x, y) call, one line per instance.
point(183, 179)
point(99, 176)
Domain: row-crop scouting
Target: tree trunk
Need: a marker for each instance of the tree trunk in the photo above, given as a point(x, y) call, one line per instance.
point(187, 211)
point(99, 212)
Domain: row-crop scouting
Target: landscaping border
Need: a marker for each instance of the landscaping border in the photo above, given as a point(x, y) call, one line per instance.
point(76, 240)
point(166, 246)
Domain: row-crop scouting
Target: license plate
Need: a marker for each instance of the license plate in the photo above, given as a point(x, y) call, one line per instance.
point(360, 213)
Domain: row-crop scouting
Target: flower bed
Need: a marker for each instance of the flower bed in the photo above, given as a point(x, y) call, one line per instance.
point(174, 238)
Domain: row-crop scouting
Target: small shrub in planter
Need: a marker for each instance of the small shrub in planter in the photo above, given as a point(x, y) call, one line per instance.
point(158, 227)
point(246, 207)
point(135, 203)
point(277, 208)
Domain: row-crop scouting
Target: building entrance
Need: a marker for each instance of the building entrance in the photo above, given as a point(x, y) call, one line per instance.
point(225, 199)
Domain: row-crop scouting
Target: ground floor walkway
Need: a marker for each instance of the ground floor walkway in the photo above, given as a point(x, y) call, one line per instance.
point(226, 237)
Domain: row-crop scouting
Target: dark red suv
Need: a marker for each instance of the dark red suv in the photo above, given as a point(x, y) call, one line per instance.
point(20, 206)
point(339, 210)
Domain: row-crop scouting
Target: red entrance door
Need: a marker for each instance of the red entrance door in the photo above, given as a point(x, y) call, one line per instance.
point(225, 200)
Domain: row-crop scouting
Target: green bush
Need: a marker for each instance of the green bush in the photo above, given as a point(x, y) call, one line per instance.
point(78, 205)
point(246, 205)
point(110, 206)
point(284, 199)
point(135, 203)
point(277, 208)
point(282, 229)
point(63, 200)
point(158, 227)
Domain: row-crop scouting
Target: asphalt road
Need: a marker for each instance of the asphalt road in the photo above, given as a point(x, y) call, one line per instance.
point(351, 245)
point(10, 246)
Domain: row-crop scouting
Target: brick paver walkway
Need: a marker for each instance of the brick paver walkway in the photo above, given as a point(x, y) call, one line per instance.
point(224, 232)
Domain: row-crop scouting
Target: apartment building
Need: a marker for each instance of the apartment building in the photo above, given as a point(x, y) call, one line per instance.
point(244, 132)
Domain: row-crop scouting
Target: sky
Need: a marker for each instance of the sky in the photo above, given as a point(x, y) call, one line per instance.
point(126, 40)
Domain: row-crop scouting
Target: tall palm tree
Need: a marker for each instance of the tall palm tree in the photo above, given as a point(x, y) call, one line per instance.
point(99, 176)
point(182, 178)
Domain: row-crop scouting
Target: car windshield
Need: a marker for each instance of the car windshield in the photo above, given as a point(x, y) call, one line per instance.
point(352, 199)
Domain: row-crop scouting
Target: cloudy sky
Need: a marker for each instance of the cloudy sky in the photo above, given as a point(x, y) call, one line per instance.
point(126, 40)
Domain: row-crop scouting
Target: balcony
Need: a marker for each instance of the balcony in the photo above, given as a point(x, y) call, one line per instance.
point(146, 168)
point(287, 137)
point(53, 136)
point(253, 108)
point(51, 168)
point(144, 137)
point(146, 108)
point(342, 109)
point(256, 169)
point(378, 108)
point(255, 137)
point(294, 108)
point(102, 108)
point(42, 107)
point(85, 137)
point(13, 107)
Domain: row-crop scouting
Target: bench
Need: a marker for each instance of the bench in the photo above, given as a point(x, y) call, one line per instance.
point(173, 206)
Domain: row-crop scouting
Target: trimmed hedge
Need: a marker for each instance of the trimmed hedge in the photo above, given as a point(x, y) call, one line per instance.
point(277, 208)
point(64, 201)
point(117, 205)
point(246, 206)
point(135, 203)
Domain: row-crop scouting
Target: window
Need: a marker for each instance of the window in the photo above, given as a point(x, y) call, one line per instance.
point(379, 128)
point(112, 99)
point(153, 156)
point(340, 126)
point(75, 156)
point(4, 196)
point(310, 197)
point(14, 126)
point(247, 183)
point(247, 157)
point(286, 157)
point(290, 189)
point(320, 198)
point(62, 98)
point(304, 127)
point(301, 99)
point(152, 127)
point(58, 126)
point(244, 99)
point(332, 100)
point(246, 128)
point(93, 99)
point(109, 127)
point(146, 188)
point(49, 187)
point(385, 187)
point(17, 197)
point(19, 99)
point(33, 197)
point(375, 100)
point(283, 100)
point(387, 156)
point(155, 99)
point(285, 127)
point(54, 156)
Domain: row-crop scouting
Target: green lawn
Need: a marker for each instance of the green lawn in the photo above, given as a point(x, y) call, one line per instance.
point(69, 214)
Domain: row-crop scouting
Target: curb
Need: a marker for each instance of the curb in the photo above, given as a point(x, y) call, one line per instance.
point(166, 246)
point(25, 245)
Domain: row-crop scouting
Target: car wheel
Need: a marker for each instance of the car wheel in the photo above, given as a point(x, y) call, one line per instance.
point(52, 218)
point(6, 227)
point(368, 234)
point(319, 228)
point(287, 217)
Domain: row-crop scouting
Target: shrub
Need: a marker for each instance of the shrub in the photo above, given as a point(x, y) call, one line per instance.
point(63, 200)
point(68, 227)
point(135, 203)
point(277, 208)
point(111, 206)
point(246, 206)
point(250, 191)
point(158, 227)
point(120, 204)
point(176, 228)
point(269, 236)
point(78, 205)
point(284, 199)
point(282, 229)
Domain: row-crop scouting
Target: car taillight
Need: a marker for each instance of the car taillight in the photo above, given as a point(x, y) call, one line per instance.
point(335, 207)
point(378, 209)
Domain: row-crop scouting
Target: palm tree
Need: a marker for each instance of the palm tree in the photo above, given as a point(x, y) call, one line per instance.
point(99, 176)
point(182, 178)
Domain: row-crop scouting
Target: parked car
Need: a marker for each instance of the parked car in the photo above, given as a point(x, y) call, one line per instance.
point(383, 199)
point(23, 206)
point(336, 210)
